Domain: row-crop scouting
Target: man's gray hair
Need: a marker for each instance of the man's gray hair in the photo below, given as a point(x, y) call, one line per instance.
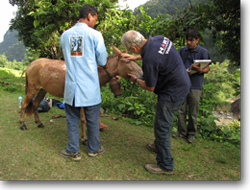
point(132, 38)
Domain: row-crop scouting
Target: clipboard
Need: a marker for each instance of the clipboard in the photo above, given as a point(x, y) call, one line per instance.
point(203, 63)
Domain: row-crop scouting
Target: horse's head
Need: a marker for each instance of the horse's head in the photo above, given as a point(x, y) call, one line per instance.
point(126, 66)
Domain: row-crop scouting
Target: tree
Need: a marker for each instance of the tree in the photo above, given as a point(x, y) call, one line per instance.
point(225, 22)
point(46, 20)
point(222, 17)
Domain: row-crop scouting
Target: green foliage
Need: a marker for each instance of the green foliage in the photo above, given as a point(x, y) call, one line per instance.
point(218, 90)
point(10, 64)
point(3, 60)
point(228, 133)
point(12, 77)
point(221, 18)
point(224, 82)
point(136, 104)
point(6, 73)
point(16, 52)
point(46, 20)
point(11, 47)
point(212, 46)
point(224, 19)
point(30, 56)
point(170, 7)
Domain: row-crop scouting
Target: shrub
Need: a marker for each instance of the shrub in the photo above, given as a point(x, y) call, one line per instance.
point(135, 103)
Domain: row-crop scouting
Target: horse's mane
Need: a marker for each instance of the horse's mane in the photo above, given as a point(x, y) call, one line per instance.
point(111, 56)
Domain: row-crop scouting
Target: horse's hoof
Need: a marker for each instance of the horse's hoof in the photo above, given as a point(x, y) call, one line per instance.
point(40, 125)
point(85, 142)
point(23, 127)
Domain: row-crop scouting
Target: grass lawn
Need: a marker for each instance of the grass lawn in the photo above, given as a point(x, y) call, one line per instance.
point(34, 154)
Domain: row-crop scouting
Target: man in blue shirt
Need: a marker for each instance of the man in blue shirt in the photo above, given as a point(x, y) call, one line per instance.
point(82, 48)
point(164, 74)
point(189, 53)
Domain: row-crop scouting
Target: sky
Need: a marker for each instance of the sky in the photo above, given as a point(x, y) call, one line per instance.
point(6, 14)
point(7, 10)
point(131, 3)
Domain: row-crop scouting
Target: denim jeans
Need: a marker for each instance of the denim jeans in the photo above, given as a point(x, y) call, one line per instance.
point(73, 116)
point(165, 112)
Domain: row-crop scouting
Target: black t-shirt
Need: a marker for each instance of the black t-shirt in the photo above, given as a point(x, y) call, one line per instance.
point(163, 69)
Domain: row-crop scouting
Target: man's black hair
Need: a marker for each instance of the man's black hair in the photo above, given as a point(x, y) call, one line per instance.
point(193, 33)
point(86, 9)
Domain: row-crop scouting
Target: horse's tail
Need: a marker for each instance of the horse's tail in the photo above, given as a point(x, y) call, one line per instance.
point(29, 110)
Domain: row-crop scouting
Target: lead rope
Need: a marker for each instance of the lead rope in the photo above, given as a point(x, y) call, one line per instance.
point(108, 73)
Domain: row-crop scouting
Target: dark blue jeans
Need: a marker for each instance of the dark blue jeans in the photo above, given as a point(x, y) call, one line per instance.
point(73, 116)
point(165, 112)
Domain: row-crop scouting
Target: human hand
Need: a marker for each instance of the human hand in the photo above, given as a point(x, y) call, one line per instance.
point(196, 67)
point(189, 73)
point(132, 77)
point(129, 56)
point(117, 77)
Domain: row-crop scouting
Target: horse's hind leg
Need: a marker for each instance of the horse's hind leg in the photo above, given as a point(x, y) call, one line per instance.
point(83, 126)
point(25, 103)
point(41, 94)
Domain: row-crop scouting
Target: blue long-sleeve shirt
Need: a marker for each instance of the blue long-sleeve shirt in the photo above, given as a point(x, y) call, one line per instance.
point(82, 48)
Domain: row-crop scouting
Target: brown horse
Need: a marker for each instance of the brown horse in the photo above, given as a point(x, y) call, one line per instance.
point(47, 75)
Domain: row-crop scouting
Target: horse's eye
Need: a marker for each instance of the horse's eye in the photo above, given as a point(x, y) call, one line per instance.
point(128, 61)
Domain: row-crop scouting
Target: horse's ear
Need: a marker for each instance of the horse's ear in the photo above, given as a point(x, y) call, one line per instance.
point(117, 51)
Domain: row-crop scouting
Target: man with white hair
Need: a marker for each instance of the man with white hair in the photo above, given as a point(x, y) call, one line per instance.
point(166, 76)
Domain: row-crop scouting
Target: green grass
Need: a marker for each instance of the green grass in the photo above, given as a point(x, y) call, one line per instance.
point(8, 72)
point(35, 154)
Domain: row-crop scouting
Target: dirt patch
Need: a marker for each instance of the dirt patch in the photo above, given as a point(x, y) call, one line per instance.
point(225, 117)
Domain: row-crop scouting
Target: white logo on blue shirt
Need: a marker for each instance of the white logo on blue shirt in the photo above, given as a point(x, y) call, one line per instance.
point(165, 46)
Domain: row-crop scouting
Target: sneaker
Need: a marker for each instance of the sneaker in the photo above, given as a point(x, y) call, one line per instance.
point(99, 151)
point(178, 136)
point(152, 147)
point(190, 139)
point(155, 169)
point(73, 156)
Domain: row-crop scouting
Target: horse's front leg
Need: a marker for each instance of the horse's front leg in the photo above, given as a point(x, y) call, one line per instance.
point(83, 126)
point(41, 94)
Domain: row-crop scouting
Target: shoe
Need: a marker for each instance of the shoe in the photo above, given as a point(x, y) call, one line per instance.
point(190, 139)
point(73, 156)
point(99, 151)
point(152, 147)
point(155, 169)
point(178, 136)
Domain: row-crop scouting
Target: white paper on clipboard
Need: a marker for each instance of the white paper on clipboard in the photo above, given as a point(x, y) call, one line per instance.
point(203, 63)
